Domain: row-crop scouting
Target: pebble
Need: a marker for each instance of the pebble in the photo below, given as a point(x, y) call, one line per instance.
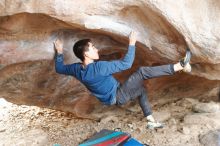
point(2, 130)
point(130, 126)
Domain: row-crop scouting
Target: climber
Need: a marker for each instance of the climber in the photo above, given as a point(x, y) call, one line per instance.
point(97, 75)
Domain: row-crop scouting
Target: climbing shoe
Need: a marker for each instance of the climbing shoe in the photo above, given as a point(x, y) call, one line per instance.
point(154, 125)
point(184, 61)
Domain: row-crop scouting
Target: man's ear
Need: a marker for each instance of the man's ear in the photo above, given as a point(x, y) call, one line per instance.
point(86, 54)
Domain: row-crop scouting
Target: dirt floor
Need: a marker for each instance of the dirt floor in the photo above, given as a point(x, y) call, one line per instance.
point(186, 120)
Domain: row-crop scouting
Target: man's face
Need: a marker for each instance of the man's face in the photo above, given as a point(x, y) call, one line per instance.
point(92, 52)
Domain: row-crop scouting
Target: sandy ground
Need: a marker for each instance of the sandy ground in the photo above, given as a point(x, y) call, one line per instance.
point(32, 126)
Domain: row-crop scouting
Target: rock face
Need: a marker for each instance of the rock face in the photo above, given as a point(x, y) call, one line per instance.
point(165, 28)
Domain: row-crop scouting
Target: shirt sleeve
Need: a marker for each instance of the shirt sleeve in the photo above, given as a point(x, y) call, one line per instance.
point(110, 67)
point(63, 69)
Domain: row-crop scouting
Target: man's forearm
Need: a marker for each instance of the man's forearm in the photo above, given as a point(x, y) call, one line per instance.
point(59, 57)
point(129, 57)
point(58, 62)
point(61, 68)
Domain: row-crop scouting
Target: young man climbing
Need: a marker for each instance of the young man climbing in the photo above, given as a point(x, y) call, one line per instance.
point(98, 79)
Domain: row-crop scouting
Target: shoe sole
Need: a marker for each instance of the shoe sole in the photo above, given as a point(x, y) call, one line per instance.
point(152, 127)
point(188, 57)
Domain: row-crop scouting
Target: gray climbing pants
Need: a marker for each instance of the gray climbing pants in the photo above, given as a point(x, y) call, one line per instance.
point(133, 87)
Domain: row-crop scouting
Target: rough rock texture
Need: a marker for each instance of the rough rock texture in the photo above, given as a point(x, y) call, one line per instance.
point(212, 138)
point(28, 29)
point(206, 107)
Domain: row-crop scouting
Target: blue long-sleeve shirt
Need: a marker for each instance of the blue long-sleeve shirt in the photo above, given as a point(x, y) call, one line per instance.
point(97, 76)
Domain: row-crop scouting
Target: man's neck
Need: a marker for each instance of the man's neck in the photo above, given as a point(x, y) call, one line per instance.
point(87, 62)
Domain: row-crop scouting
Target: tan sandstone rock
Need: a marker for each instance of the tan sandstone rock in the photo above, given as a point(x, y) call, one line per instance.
point(165, 28)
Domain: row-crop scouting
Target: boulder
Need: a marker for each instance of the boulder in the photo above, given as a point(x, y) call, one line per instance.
point(165, 29)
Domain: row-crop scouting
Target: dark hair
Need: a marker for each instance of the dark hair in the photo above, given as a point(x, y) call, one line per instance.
point(80, 47)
